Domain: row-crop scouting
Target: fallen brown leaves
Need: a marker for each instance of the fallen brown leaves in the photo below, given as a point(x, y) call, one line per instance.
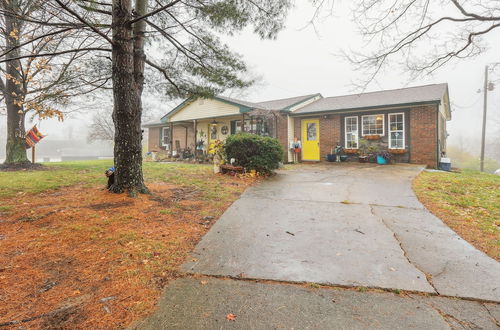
point(85, 258)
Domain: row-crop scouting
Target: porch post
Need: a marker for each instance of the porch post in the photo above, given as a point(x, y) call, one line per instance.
point(186, 137)
point(195, 127)
point(243, 122)
point(171, 137)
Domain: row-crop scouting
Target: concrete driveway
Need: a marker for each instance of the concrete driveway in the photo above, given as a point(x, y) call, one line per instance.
point(344, 224)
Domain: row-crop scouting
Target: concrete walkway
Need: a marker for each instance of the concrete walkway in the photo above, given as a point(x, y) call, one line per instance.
point(353, 225)
point(349, 225)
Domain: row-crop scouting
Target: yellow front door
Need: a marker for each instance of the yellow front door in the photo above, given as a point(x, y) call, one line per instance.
point(310, 139)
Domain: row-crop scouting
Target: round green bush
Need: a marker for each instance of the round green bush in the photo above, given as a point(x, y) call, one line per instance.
point(260, 153)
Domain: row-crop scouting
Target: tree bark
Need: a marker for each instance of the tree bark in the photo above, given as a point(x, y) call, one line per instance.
point(13, 90)
point(128, 80)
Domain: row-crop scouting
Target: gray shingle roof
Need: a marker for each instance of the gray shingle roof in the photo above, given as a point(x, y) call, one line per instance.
point(245, 103)
point(282, 104)
point(419, 94)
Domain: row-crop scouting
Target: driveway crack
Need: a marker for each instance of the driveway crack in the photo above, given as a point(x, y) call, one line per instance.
point(428, 277)
point(493, 317)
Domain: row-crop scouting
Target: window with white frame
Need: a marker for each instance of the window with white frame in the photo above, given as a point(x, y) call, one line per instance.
point(351, 132)
point(397, 131)
point(372, 125)
point(165, 136)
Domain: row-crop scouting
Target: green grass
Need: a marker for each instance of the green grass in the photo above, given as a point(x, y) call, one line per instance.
point(469, 202)
point(90, 173)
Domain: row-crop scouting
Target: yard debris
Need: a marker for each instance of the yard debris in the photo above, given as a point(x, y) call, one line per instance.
point(47, 287)
point(358, 231)
point(289, 233)
point(104, 247)
point(107, 298)
point(231, 317)
point(209, 217)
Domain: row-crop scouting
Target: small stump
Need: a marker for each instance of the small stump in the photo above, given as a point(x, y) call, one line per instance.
point(231, 169)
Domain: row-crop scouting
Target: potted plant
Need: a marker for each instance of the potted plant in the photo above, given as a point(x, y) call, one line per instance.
point(383, 157)
point(363, 151)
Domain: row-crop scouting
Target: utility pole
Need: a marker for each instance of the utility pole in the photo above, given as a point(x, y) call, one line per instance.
point(485, 108)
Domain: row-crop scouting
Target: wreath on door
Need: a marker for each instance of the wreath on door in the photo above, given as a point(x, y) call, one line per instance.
point(224, 130)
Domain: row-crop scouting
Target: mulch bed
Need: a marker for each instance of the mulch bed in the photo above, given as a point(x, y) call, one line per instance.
point(82, 257)
point(26, 166)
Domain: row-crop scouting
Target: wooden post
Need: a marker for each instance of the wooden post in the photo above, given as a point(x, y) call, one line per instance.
point(171, 138)
point(33, 154)
point(243, 122)
point(195, 128)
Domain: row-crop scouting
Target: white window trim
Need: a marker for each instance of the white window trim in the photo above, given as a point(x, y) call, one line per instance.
point(163, 136)
point(345, 131)
point(389, 130)
point(383, 124)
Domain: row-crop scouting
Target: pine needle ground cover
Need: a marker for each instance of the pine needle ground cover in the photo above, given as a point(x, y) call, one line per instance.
point(468, 202)
point(74, 255)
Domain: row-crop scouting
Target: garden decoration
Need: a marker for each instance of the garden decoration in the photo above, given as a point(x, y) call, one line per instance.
point(338, 151)
point(217, 149)
point(383, 157)
point(33, 136)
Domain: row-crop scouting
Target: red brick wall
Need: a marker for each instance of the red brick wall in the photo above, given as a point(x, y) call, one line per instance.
point(329, 134)
point(154, 139)
point(423, 135)
point(282, 134)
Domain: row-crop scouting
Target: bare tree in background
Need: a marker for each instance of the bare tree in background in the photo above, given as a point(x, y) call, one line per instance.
point(36, 80)
point(419, 35)
point(188, 54)
point(101, 127)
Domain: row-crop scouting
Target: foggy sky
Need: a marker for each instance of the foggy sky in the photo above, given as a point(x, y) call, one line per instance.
point(304, 61)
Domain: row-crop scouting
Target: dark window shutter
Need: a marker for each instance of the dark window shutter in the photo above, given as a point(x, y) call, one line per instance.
point(233, 126)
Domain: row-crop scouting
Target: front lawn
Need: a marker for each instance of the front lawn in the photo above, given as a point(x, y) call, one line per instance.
point(74, 255)
point(468, 202)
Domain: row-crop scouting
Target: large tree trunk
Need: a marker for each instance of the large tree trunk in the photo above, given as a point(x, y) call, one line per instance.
point(127, 92)
point(13, 91)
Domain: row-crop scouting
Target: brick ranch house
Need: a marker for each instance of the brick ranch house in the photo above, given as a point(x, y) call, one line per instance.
point(409, 122)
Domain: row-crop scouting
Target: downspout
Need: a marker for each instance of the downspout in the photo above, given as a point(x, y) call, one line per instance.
point(437, 137)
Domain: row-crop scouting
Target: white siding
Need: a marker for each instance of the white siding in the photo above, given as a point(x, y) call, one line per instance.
point(205, 108)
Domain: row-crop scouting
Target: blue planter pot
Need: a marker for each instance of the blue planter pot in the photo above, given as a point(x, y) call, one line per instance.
point(331, 157)
point(381, 160)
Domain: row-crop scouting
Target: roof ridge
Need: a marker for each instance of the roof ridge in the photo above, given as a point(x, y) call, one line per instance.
point(287, 98)
point(385, 90)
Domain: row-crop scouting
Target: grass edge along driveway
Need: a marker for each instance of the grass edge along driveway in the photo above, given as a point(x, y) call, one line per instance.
point(468, 202)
